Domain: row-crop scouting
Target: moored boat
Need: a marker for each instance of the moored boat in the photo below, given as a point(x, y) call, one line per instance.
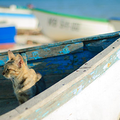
point(62, 27)
point(67, 68)
point(21, 18)
point(115, 21)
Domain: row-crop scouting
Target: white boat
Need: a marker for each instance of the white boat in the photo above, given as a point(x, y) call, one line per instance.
point(61, 27)
point(56, 26)
point(115, 21)
point(19, 17)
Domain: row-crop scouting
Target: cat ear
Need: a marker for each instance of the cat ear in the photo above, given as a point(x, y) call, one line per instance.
point(11, 55)
point(19, 61)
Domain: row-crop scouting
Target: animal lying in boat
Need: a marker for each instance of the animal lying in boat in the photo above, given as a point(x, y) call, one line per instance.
point(65, 67)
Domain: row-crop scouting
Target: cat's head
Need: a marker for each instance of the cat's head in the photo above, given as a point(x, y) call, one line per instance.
point(13, 66)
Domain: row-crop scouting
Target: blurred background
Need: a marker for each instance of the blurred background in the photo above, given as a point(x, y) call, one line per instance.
point(37, 28)
point(89, 8)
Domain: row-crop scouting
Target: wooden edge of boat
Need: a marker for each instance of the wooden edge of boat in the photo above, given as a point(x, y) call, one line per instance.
point(57, 95)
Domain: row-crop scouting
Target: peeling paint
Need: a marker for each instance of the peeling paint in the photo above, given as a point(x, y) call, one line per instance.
point(81, 81)
point(106, 66)
point(92, 73)
point(2, 62)
point(36, 55)
point(58, 104)
point(38, 110)
point(89, 81)
point(24, 119)
point(47, 49)
point(45, 114)
point(95, 76)
point(65, 50)
point(109, 64)
point(118, 54)
point(78, 90)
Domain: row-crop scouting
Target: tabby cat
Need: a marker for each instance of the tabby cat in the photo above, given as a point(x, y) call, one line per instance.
point(26, 82)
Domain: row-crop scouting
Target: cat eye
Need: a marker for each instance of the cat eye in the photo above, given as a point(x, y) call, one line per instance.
point(7, 70)
point(12, 70)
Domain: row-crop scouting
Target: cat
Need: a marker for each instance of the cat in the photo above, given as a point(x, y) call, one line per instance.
point(26, 82)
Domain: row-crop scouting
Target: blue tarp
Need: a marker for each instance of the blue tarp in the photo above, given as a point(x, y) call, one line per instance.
point(7, 34)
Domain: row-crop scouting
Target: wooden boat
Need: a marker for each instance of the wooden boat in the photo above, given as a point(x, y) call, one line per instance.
point(67, 68)
point(23, 19)
point(63, 27)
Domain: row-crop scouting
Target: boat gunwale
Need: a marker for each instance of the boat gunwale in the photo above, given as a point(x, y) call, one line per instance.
point(49, 96)
point(72, 41)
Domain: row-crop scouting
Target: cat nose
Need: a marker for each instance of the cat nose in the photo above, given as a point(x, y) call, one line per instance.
point(3, 73)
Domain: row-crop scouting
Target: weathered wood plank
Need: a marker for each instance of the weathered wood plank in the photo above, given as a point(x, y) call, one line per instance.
point(114, 36)
point(62, 64)
point(97, 46)
point(48, 51)
point(54, 51)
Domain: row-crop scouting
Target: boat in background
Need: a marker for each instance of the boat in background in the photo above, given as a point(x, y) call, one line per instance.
point(21, 18)
point(68, 68)
point(115, 21)
point(20, 29)
point(7, 36)
point(62, 27)
point(56, 26)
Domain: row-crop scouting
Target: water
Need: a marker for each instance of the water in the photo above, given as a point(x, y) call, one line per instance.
point(88, 8)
